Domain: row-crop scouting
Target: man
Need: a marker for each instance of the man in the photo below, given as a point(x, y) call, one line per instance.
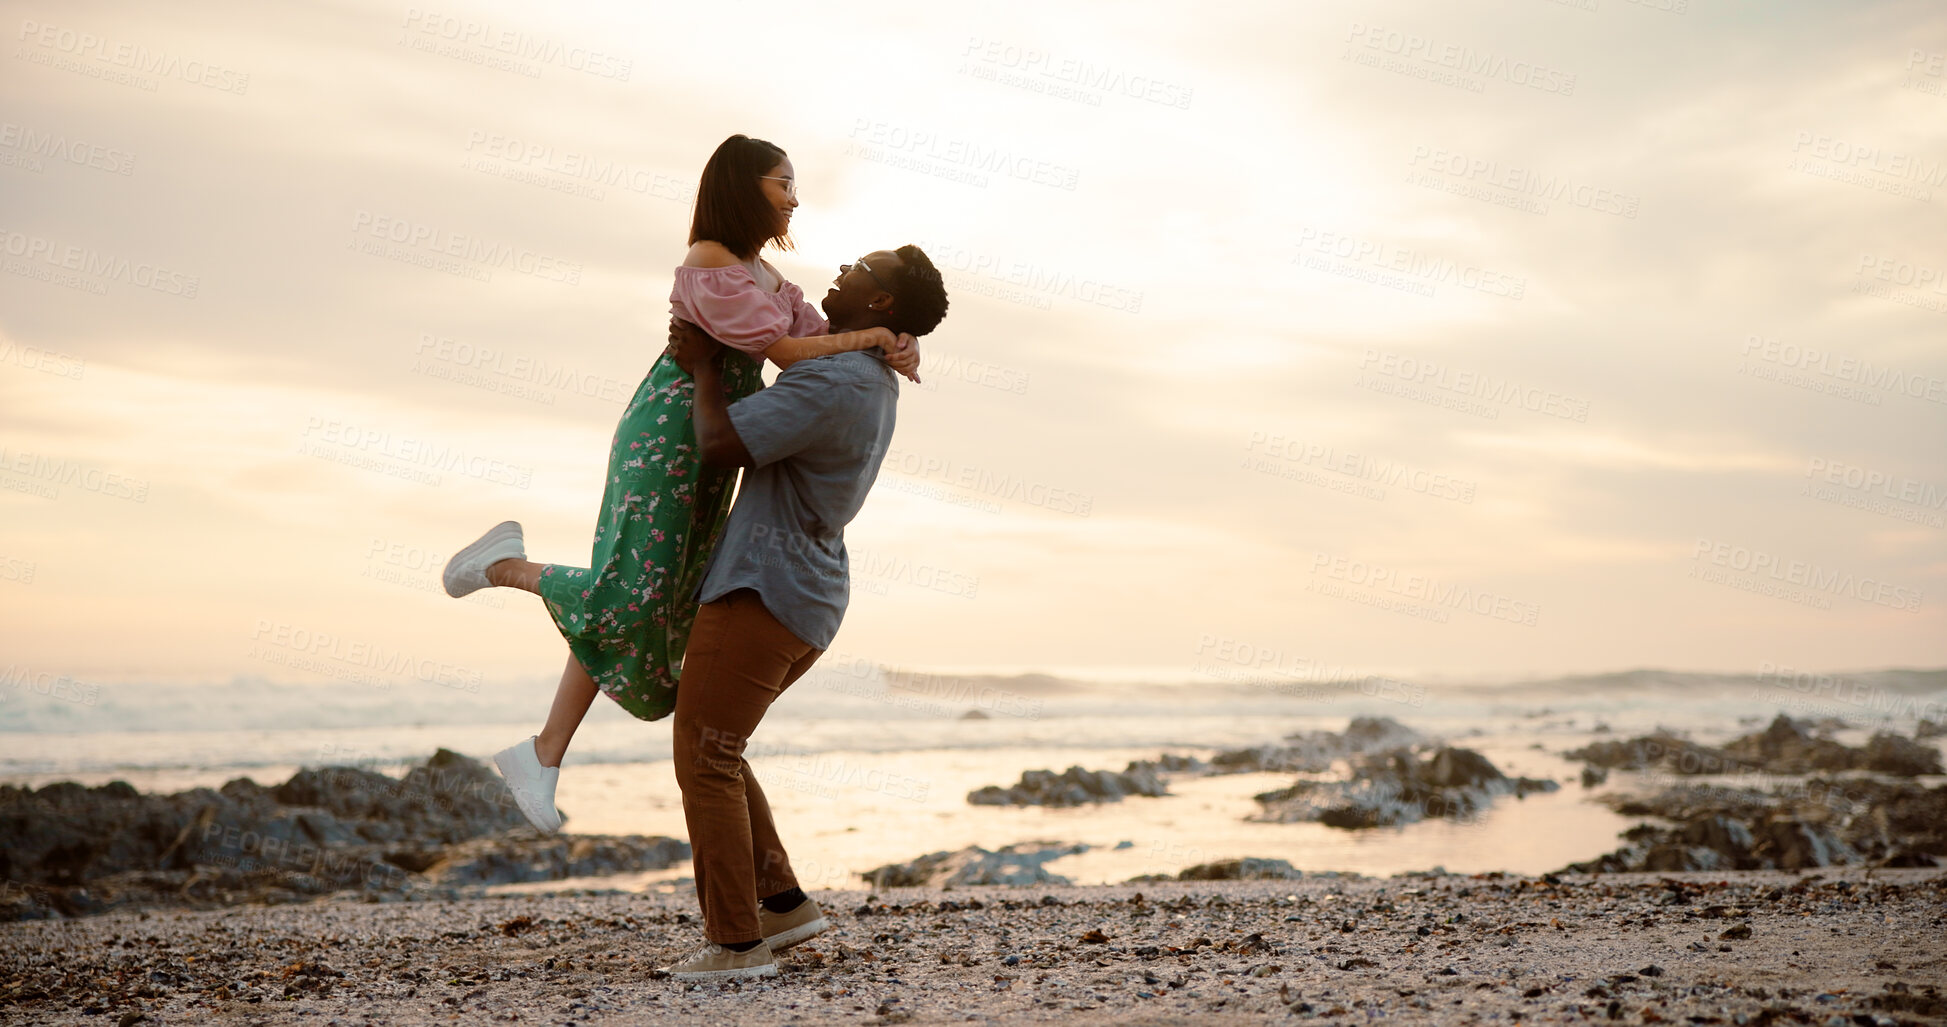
point(775, 591)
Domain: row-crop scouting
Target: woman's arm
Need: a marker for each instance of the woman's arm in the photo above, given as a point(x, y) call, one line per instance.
point(791, 349)
point(902, 351)
point(787, 351)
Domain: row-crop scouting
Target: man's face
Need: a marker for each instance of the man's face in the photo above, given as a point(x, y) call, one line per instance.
point(858, 293)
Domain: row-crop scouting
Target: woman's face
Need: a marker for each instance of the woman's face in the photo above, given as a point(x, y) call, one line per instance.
point(781, 189)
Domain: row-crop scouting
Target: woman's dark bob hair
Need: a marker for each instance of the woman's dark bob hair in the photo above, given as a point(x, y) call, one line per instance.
point(730, 205)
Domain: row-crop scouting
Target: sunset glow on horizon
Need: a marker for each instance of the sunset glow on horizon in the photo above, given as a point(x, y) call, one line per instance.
point(1444, 341)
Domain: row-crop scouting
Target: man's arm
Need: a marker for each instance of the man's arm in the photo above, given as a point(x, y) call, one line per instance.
point(717, 440)
point(806, 407)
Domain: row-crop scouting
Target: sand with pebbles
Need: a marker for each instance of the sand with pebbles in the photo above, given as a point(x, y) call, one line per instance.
point(1843, 946)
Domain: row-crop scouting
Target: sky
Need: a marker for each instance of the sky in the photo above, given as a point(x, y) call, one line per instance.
point(1486, 339)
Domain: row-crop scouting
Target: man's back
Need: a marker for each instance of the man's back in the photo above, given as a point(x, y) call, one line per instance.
point(816, 438)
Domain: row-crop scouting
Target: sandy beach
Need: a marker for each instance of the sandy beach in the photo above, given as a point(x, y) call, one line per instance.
point(1843, 945)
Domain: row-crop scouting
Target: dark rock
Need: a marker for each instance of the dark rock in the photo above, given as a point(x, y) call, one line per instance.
point(74, 850)
point(491, 861)
point(1017, 865)
point(1315, 752)
point(1786, 747)
point(1783, 747)
point(1657, 750)
point(1240, 870)
point(1398, 787)
point(1901, 757)
point(1815, 823)
point(1073, 787)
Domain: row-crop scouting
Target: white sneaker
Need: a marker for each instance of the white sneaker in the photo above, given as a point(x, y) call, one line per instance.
point(531, 783)
point(466, 572)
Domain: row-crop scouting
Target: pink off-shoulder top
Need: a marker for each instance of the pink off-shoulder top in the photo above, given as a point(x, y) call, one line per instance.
point(728, 303)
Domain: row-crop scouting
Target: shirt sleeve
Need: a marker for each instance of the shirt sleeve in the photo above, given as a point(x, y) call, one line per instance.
point(807, 320)
point(726, 302)
point(803, 408)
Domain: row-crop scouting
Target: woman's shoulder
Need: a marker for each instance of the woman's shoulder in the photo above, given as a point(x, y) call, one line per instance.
point(709, 254)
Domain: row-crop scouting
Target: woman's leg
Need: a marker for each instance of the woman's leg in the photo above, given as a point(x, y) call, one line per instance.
point(577, 690)
point(571, 700)
point(516, 573)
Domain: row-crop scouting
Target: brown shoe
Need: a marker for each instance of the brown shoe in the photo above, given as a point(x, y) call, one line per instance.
point(783, 930)
point(714, 962)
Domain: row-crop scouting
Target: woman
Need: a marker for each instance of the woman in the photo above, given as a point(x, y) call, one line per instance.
point(627, 616)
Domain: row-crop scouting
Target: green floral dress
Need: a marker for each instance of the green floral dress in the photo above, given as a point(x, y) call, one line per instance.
point(627, 615)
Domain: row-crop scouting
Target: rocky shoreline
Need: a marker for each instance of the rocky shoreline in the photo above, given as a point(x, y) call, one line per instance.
point(448, 828)
point(1393, 775)
point(1788, 797)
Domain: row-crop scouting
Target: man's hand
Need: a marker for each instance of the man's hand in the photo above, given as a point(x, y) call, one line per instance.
point(903, 356)
point(691, 347)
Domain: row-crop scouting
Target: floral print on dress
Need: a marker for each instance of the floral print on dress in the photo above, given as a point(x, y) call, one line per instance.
point(627, 616)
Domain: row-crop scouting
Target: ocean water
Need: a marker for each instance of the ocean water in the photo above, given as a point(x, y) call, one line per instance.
point(865, 767)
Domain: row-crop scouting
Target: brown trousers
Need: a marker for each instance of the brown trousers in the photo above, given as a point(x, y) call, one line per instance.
point(739, 660)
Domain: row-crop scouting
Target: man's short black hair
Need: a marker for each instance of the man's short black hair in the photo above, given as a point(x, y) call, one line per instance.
point(918, 293)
